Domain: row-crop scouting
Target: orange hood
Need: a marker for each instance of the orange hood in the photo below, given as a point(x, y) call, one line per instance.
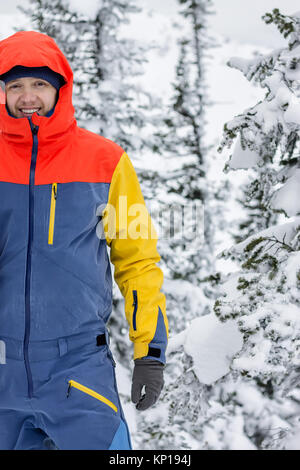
point(33, 49)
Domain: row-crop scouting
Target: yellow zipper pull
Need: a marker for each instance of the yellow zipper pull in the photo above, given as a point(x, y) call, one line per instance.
point(52, 213)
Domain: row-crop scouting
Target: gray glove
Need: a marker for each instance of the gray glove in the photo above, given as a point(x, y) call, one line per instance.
point(148, 372)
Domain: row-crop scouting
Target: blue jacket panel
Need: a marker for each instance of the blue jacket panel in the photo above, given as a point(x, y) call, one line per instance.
point(70, 280)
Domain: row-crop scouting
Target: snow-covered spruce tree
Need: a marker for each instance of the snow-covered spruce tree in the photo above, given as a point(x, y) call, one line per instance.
point(257, 214)
point(257, 71)
point(264, 296)
point(183, 135)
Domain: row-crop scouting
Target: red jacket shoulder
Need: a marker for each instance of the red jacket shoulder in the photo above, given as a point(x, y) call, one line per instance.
point(101, 146)
point(87, 157)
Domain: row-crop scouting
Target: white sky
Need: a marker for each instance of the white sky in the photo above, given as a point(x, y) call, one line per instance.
point(241, 20)
point(238, 20)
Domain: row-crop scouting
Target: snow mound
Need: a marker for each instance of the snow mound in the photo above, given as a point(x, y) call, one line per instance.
point(288, 196)
point(211, 344)
point(87, 8)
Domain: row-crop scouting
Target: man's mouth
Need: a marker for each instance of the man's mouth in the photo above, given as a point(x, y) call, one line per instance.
point(29, 111)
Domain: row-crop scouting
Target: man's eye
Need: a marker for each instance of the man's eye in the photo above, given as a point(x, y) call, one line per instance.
point(40, 84)
point(16, 85)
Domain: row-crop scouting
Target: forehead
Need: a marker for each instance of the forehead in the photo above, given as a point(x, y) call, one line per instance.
point(27, 80)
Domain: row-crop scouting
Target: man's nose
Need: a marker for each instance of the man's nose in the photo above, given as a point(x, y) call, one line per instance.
point(27, 96)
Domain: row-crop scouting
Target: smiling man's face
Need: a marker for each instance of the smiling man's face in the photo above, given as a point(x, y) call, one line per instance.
point(25, 96)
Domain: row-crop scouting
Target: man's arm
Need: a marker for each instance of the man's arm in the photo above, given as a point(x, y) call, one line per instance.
point(132, 238)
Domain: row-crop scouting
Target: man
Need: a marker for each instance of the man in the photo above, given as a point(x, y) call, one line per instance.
point(66, 194)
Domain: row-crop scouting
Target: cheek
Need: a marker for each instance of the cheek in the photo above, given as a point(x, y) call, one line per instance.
point(50, 99)
point(10, 100)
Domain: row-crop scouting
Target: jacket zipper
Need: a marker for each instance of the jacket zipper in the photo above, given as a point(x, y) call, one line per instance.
point(135, 305)
point(89, 391)
point(34, 130)
point(52, 213)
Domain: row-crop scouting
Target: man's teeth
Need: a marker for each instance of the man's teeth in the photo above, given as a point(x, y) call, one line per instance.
point(30, 111)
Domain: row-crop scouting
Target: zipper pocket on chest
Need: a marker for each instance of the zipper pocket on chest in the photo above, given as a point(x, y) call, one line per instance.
point(92, 393)
point(52, 213)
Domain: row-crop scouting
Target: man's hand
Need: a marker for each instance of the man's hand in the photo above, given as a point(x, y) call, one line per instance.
point(148, 373)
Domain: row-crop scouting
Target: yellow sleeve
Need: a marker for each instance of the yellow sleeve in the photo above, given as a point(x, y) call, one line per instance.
point(132, 238)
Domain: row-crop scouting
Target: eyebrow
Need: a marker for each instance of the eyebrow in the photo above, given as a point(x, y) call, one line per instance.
point(18, 79)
